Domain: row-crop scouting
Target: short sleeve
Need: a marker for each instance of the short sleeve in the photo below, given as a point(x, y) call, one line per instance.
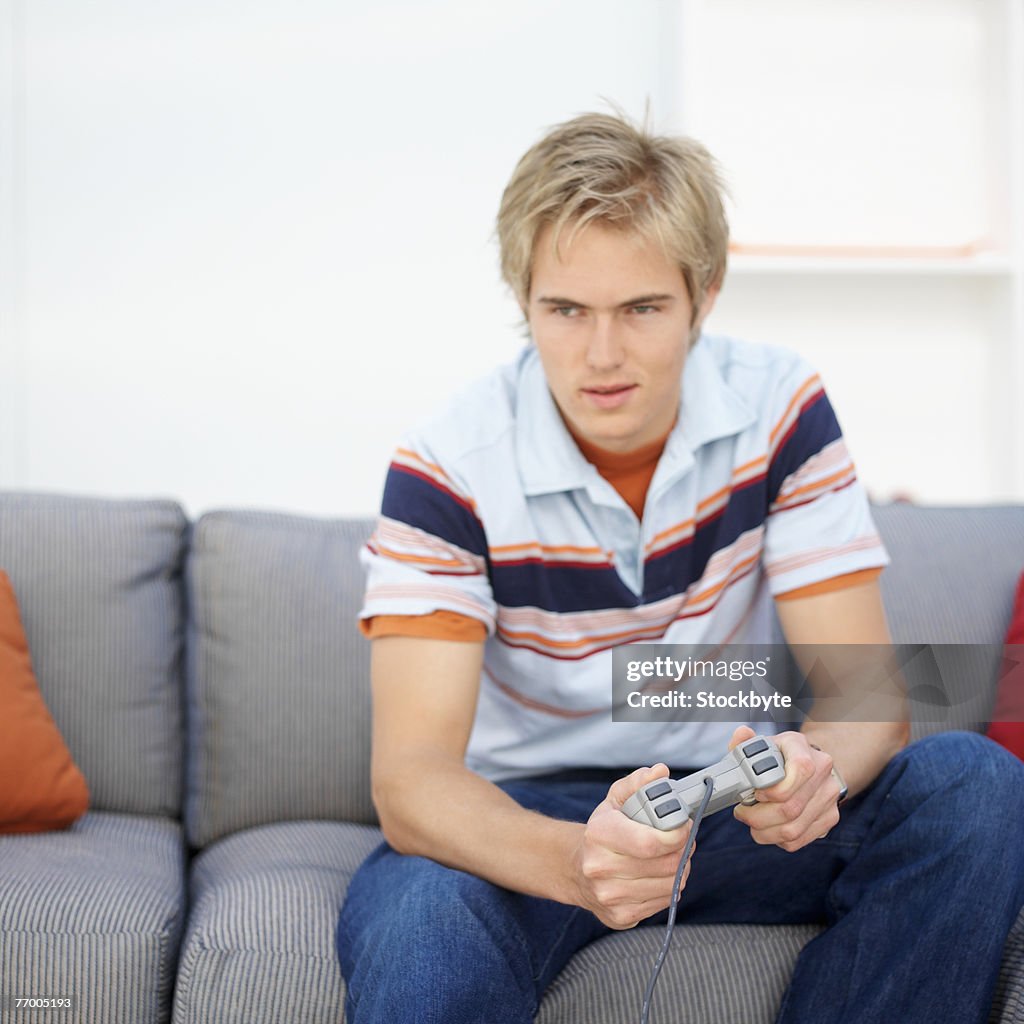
point(819, 523)
point(428, 552)
point(439, 625)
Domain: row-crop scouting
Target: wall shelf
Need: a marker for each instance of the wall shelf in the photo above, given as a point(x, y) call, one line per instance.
point(978, 266)
point(863, 142)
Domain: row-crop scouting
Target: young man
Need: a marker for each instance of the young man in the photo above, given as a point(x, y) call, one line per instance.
point(628, 479)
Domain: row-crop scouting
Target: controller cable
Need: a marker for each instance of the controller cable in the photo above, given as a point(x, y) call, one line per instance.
point(645, 1012)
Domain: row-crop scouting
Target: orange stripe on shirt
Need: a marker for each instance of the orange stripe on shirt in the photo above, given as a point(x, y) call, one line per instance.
point(553, 549)
point(440, 563)
point(823, 484)
point(447, 625)
point(798, 398)
point(439, 625)
point(688, 524)
point(829, 586)
point(442, 477)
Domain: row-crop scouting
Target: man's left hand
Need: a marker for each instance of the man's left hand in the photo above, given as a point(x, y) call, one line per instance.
point(801, 808)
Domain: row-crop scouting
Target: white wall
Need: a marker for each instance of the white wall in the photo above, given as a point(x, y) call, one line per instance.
point(254, 238)
point(243, 246)
point(880, 144)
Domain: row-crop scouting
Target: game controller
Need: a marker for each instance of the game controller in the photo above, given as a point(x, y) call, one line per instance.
point(754, 764)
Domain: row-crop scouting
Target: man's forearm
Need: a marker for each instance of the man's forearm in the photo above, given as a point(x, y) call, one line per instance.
point(859, 750)
point(841, 642)
point(442, 810)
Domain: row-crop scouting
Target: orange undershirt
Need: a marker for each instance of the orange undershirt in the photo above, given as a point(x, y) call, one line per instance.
point(630, 474)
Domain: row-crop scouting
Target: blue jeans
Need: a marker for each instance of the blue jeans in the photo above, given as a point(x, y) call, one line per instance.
point(920, 882)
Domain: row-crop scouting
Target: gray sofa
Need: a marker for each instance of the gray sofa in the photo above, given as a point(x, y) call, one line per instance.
point(211, 685)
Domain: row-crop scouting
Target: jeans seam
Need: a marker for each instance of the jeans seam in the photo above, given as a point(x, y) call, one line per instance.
point(561, 935)
point(515, 932)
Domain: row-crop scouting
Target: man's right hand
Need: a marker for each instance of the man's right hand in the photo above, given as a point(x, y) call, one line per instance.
point(625, 869)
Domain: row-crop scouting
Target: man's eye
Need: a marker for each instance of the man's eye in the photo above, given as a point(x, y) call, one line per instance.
point(644, 310)
point(567, 310)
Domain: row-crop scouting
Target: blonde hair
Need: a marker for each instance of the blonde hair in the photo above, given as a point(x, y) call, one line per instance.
point(605, 168)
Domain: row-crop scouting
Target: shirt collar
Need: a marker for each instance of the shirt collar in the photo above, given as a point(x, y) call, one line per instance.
point(549, 460)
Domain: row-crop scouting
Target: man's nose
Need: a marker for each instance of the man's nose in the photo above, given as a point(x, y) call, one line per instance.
point(605, 349)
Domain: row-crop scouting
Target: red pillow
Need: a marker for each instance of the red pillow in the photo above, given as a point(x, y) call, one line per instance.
point(1007, 725)
point(40, 786)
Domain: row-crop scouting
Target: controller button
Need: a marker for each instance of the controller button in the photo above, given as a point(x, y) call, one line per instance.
point(667, 807)
point(757, 747)
point(766, 764)
point(658, 789)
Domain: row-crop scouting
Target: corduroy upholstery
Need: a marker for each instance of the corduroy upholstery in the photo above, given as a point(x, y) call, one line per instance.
point(99, 588)
point(273, 650)
point(260, 942)
point(94, 913)
point(237, 922)
point(952, 581)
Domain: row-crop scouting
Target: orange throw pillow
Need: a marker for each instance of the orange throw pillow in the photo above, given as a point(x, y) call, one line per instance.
point(40, 786)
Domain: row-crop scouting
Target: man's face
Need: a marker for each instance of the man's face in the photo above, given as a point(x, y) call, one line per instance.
point(611, 318)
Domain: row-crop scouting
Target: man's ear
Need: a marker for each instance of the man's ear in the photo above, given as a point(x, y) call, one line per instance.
point(698, 316)
point(523, 302)
point(710, 295)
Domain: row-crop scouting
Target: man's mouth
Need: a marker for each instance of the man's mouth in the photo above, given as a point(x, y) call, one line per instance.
point(609, 396)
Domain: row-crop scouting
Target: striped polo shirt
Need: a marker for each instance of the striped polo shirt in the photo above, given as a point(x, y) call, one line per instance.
point(490, 510)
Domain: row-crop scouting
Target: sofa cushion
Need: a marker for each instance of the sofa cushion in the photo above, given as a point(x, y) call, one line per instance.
point(951, 582)
point(714, 974)
point(260, 944)
point(94, 913)
point(260, 939)
point(953, 571)
point(98, 583)
point(40, 786)
point(278, 675)
point(1008, 1001)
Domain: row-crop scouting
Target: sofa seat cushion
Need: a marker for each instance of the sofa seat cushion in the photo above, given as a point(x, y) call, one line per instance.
point(714, 974)
point(95, 913)
point(260, 939)
point(1008, 1003)
point(259, 946)
point(260, 943)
